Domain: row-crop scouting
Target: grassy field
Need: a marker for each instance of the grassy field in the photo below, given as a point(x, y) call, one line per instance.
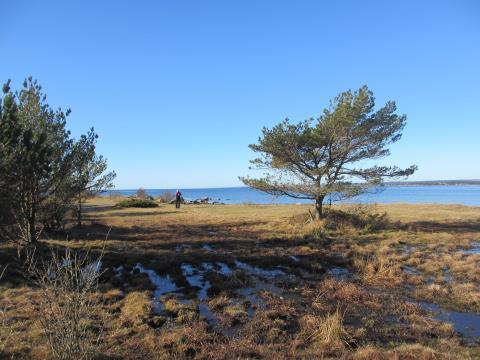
point(256, 281)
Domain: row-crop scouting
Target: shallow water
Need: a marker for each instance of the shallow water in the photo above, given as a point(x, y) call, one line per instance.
point(444, 194)
point(467, 324)
point(207, 248)
point(182, 247)
point(447, 275)
point(253, 270)
point(119, 270)
point(411, 270)
point(195, 278)
point(339, 273)
point(163, 285)
point(224, 269)
point(207, 314)
point(474, 248)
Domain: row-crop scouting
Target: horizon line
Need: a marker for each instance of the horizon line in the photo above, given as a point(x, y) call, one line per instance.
point(240, 186)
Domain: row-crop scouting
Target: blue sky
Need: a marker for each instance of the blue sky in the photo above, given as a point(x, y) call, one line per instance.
point(178, 89)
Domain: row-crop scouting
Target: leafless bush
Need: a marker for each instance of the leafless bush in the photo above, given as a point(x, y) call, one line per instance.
point(69, 312)
point(166, 197)
point(141, 194)
point(4, 331)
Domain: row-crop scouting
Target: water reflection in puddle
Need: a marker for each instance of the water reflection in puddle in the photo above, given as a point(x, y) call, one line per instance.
point(269, 274)
point(207, 247)
point(411, 270)
point(163, 285)
point(195, 278)
point(207, 314)
point(467, 324)
point(339, 273)
point(119, 270)
point(473, 249)
point(224, 269)
point(182, 247)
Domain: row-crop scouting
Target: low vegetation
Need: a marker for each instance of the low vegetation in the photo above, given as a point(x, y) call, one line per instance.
point(166, 197)
point(68, 311)
point(261, 281)
point(137, 203)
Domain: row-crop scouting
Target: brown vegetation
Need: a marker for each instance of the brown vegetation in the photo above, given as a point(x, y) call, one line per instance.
point(261, 281)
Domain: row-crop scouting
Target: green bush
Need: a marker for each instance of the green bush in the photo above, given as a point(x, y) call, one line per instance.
point(137, 203)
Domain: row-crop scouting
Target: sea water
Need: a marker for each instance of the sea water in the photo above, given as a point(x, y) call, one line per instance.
point(442, 194)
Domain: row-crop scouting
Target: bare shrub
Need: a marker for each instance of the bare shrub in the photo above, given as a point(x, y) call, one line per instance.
point(69, 311)
point(141, 194)
point(5, 332)
point(166, 197)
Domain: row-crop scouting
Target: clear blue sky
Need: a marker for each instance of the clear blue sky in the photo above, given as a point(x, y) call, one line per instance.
point(178, 89)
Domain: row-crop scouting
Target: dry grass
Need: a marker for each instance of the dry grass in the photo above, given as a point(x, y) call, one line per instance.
point(136, 308)
point(296, 315)
point(327, 333)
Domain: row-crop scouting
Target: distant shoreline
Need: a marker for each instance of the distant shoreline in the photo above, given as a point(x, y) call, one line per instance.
point(389, 183)
point(433, 183)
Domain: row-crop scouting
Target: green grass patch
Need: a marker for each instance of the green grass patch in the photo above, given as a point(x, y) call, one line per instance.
point(137, 203)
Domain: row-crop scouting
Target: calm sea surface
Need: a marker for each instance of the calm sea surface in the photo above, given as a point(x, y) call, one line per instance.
point(443, 194)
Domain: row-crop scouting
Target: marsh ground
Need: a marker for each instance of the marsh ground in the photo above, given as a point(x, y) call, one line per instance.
point(256, 281)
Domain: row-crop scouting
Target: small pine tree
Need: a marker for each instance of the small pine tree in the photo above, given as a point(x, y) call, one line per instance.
point(316, 159)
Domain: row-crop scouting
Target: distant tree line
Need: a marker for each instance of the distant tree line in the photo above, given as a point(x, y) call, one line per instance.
point(45, 173)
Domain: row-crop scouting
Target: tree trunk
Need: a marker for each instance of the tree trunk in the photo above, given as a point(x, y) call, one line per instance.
point(31, 226)
point(79, 212)
point(319, 207)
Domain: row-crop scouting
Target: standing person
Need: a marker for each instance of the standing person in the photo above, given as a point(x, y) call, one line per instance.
point(178, 199)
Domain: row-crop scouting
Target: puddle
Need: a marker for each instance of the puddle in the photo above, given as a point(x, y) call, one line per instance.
point(207, 248)
point(119, 270)
point(196, 279)
point(407, 249)
point(467, 324)
point(207, 314)
point(260, 245)
point(411, 270)
point(339, 273)
point(447, 276)
point(473, 249)
point(253, 270)
point(163, 285)
point(224, 269)
point(261, 280)
point(294, 258)
point(250, 294)
point(182, 247)
point(207, 266)
point(195, 276)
